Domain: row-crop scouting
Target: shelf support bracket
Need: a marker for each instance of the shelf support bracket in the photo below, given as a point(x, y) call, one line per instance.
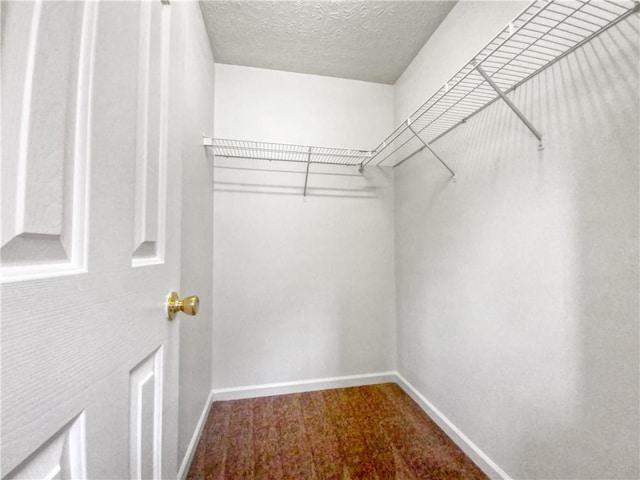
point(306, 177)
point(453, 174)
point(511, 105)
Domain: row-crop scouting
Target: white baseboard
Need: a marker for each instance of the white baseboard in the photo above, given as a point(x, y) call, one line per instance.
point(197, 433)
point(481, 459)
point(253, 391)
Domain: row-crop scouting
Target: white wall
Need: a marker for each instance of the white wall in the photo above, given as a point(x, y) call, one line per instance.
point(468, 27)
point(197, 225)
point(517, 285)
point(282, 107)
point(303, 288)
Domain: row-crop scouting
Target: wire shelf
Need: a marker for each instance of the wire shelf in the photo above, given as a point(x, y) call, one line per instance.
point(539, 36)
point(223, 147)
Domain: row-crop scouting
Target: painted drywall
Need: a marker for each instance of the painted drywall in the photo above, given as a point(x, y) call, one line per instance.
point(282, 107)
point(517, 285)
point(303, 287)
point(197, 226)
point(468, 27)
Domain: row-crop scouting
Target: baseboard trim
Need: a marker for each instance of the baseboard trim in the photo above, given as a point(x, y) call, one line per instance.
point(481, 459)
point(197, 433)
point(282, 388)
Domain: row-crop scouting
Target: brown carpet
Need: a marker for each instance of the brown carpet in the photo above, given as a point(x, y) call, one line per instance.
point(373, 432)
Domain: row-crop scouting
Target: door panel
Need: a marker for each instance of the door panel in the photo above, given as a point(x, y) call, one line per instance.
point(151, 146)
point(145, 417)
point(44, 139)
point(88, 358)
point(61, 458)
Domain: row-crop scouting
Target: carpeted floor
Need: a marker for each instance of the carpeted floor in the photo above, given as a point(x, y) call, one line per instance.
point(373, 432)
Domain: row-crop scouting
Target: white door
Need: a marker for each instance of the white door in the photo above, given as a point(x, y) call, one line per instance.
point(90, 240)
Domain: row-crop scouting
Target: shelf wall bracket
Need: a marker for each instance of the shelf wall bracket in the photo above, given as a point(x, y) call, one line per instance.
point(306, 177)
point(427, 146)
point(511, 105)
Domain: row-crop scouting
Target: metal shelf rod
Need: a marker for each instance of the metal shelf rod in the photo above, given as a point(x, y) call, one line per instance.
point(511, 105)
point(453, 174)
point(272, 150)
point(279, 159)
point(306, 176)
point(445, 111)
point(285, 152)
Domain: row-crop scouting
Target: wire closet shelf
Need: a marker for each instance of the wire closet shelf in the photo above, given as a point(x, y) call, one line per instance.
point(282, 152)
point(543, 33)
point(539, 36)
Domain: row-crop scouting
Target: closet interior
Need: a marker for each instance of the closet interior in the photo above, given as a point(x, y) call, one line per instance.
point(453, 237)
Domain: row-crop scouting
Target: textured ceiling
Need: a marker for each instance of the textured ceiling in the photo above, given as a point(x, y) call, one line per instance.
point(367, 40)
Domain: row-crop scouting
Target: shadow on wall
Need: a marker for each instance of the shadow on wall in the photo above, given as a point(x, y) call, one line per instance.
point(288, 178)
point(518, 284)
point(595, 121)
point(587, 107)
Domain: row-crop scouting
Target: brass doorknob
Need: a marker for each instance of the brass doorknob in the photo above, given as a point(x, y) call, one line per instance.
point(189, 305)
